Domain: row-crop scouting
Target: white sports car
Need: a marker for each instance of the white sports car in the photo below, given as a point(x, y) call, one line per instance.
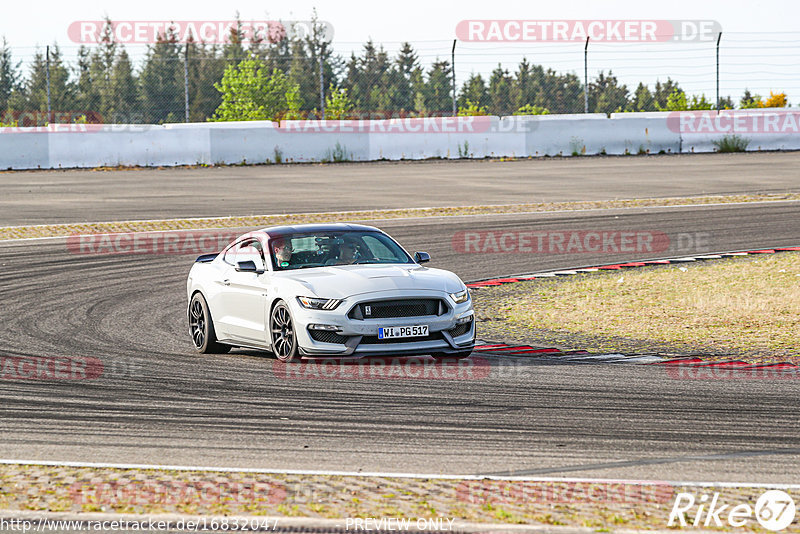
point(327, 290)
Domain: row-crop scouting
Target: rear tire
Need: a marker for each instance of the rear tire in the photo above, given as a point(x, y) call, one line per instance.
point(451, 356)
point(282, 334)
point(201, 328)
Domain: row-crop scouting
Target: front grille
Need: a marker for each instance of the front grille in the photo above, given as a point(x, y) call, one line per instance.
point(387, 309)
point(460, 330)
point(326, 336)
point(373, 340)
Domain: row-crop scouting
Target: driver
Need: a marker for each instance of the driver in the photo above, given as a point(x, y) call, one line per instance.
point(347, 252)
point(283, 251)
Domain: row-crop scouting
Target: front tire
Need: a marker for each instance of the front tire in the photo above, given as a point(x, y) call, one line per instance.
point(201, 328)
point(283, 337)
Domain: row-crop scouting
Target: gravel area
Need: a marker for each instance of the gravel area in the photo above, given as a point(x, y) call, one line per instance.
point(601, 505)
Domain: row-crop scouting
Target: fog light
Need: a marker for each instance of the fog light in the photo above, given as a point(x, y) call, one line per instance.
point(465, 319)
point(326, 327)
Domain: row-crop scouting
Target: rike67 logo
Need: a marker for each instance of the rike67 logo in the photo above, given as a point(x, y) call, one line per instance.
point(774, 510)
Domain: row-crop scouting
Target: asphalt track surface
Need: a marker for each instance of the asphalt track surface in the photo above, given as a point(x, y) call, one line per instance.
point(159, 403)
point(87, 196)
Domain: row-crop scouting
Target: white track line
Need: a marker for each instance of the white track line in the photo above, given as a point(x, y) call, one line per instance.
point(391, 475)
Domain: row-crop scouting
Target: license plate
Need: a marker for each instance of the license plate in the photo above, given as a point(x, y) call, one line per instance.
point(390, 332)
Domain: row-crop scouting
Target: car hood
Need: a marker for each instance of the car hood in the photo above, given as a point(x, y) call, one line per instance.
point(348, 280)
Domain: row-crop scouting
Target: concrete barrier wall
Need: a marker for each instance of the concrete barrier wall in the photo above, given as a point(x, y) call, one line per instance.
point(68, 146)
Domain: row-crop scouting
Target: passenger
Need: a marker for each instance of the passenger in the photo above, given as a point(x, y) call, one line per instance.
point(347, 252)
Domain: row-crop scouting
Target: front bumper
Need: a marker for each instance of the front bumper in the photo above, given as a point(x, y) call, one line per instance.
point(357, 338)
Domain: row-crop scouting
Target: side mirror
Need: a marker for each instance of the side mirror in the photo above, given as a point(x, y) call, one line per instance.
point(248, 267)
point(422, 257)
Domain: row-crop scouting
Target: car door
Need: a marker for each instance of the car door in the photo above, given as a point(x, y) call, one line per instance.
point(243, 299)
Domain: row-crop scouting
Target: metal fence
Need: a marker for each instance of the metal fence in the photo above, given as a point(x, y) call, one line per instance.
point(171, 81)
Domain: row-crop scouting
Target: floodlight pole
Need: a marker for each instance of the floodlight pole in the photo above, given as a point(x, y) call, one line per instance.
point(718, 39)
point(453, 65)
point(586, 77)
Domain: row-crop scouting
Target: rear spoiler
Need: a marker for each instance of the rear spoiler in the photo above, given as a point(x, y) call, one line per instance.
point(206, 258)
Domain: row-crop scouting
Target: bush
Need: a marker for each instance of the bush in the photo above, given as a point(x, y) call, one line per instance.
point(337, 104)
point(472, 109)
point(731, 143)
point(677, 101)
point(250, 93)
point(774, 101)
point(530, 109)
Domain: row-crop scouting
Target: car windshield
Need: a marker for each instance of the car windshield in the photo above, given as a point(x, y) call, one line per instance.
point(320, 249)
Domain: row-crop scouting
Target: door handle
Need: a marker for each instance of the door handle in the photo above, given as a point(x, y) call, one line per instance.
point(226, 282)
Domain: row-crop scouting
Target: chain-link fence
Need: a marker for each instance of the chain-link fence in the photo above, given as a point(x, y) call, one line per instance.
point(302, 77)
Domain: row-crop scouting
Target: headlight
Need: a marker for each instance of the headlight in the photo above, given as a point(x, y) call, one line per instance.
point(313, 303)
point(461, 296)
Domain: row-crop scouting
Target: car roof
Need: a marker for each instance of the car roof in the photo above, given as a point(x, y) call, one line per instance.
point(275, 231)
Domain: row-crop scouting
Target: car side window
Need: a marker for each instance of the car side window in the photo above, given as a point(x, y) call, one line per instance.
point(247, 250)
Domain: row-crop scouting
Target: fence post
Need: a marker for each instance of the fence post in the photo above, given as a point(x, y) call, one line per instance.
point(718, 39)
point(586, 77)
point(186, 82)
point(453, 66)
point(321, 86)
point(47, 76)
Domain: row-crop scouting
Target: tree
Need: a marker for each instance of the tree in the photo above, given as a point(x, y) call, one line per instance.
point(663, 92)
point(748, 100)
point(438, 89)
point(250, 93)
point(9, 75)
point(337, 104)
point(34, 95)
point(125, 103)
point(500, 101)
point(678, 101)
point(642, 99)
point(474, 90)
point(205, 68)
point(161, 81)
point(725, 102)
point(408, 69)
point(527, 86)
point(606, 95)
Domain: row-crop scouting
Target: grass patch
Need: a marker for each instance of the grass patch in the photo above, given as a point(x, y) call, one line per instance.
point(731, 143)
point(749, 304)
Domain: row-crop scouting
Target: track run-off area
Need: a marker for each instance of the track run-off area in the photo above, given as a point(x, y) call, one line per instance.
point(159, 403)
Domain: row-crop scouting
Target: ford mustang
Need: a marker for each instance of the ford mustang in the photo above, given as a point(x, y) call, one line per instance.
point(327, 290)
